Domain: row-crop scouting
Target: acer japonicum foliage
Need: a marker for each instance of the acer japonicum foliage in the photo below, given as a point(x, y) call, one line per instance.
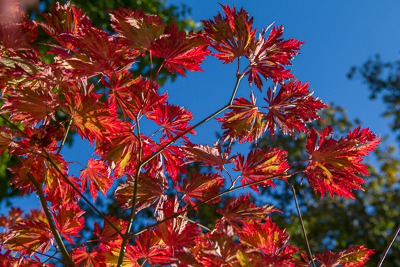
point(145, 165)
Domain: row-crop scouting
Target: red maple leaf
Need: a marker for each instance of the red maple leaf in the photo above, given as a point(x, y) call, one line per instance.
point(7, 140)
point(217, 249)
point(107, 235)
point(268, 57)
point(334, 164)
point(95, 53)
point(150, 190)
point(243, 123)
point(176, 232)
point(96, 174)
point(69, 221)
point(173, 119)
point(269, 239)
point(200, 187)
point(148, 247)
point(211, 155)
point(355, 256)
point(181, 50)
point(120, 149)
point(232, 35)
point(83, 258)
point(240, 210)
point(136, 29)
point(91, 117)
point(28, 236)
point(291, 108)
point(31, 105)
point(261, 164)
point(17, 33)
point(63, 19)
point(135, 96)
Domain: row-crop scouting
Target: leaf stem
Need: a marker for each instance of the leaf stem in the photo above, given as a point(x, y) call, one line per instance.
point(41, 253)
point(126, 237)
point(302, 228)
point(49, 217)
point(190, 220)
point(65, 136)
point(389, 246)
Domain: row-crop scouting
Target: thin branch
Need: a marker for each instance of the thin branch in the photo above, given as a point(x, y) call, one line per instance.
point(206, 201)
point(190, 220)
point(302, 228)
point(134, 197)
point(41, 253)
point(49, 217)
point(65, 136)
point(389, 246)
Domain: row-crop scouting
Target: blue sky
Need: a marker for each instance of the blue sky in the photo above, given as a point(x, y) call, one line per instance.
point(337, 36)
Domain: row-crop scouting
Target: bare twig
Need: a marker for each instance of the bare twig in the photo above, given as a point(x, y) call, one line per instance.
point(190, 220)
point(134, 196)
point(303, 229)
point(65, 136)
point(389, 246)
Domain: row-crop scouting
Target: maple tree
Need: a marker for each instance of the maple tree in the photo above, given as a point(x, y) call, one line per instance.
point(145, 166)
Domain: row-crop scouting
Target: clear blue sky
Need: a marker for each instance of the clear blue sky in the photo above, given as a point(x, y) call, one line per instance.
point(337, 36)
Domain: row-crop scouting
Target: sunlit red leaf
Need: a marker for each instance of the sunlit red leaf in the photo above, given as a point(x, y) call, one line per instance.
point(177, 232)
point(171, 159)
point(174, 120)
point(30, 235)
point(7, 139)
point(91, 117)
point(148, 248)
point(30, 106)
point(335, 164)
point(107, 235)
point(354, 256)
point(120, 150)
point(133, 94)
point(95, 53)
point(217, 249)
point(83, 258)
point(69, 221)
point(243, 123)
point(150, 190)
point(181, 51)
point(17, 35)
point(96, 174)
point(211, 155)
point(240, 210)
point(65, 18)
point(200, 187)
point(231, 35)
point(136, 29)
point(268, 238)
point(261, 164)
point(269, 57)
point(291, 108)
